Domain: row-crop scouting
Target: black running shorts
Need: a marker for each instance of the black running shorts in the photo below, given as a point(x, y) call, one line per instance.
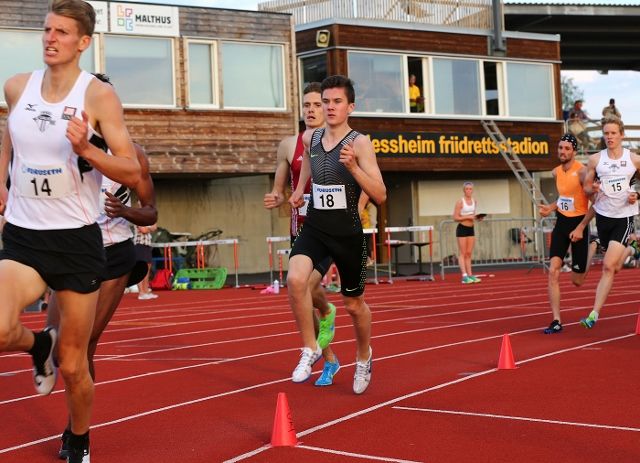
point(463, 231)
point(613, 229)
point(348, 252)
point(560, 242)
point(121, 258)
point(321, 267)
point(71, 259)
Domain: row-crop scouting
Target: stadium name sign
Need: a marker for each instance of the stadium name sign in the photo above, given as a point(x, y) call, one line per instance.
point(430, 145)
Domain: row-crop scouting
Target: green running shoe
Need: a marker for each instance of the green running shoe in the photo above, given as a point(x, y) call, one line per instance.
point(587, 322)
point(327, 328)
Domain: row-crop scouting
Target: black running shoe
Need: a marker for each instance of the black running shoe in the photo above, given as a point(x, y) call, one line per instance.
point(63, 453)
point(44, 371)
point(554, 327)
point(79, 454)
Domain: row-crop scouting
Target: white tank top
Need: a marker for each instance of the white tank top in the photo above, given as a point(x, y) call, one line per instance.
point(118, 229)
point(48, 189)
point(468, 209)
point(615, 177)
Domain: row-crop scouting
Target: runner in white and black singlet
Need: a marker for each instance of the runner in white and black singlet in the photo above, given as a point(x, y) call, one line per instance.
point(615, 205)
point(289, 161)
point(341, 163)
point(51, 236)
point(122, 267)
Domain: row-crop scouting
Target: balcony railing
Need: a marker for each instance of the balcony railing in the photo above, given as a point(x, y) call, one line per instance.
point(468, 14)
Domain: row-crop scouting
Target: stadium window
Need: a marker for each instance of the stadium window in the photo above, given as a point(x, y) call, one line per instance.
point(379, 81)
point(417, 66)
point(21, 51)
point(253, 76)
point(530, 90)
point(493, 88)
point(142, 69)
point(314, 69)
point(456, 85)
point(201, 74)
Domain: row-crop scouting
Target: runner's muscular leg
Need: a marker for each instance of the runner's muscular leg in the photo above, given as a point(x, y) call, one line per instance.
point(110, 295)
point(300, 268)
point(77, 314)
point(20, 285)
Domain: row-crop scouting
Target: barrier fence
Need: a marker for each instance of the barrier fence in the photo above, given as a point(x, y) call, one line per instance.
point(200, 255)
point(498, 242)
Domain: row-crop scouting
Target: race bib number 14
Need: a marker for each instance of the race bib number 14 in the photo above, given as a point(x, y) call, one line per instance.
point(43, 182)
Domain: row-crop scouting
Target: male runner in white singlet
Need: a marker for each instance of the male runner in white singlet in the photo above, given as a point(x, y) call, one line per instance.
point(51, 237)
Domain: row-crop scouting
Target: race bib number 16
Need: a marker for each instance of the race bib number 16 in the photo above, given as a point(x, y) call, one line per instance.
point(329, 197)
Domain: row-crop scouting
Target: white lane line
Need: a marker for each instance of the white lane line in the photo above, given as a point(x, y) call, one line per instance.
point(355, 455)
point(415, 394)
point(520, 418)
point(280, 351)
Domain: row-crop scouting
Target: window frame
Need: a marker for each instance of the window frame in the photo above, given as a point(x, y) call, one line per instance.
point(215, 73)
point(172, 42)
point(285, 77)
point(404, 77)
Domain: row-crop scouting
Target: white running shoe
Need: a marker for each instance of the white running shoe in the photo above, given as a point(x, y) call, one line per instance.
point(362, 376)
point(308, 358)
point(145, 296)
point(44, 370)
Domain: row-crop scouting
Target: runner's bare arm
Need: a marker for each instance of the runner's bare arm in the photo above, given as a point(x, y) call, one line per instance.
point(104, 112)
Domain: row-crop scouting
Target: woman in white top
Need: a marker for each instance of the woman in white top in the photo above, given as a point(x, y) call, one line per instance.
point(465, 213)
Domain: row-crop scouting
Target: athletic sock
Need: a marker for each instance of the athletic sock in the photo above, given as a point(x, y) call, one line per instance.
point(41, 344)
point(593, 315)
point(78, 441)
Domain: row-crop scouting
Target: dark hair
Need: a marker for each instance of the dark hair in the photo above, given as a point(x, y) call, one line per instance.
point(340, 82)
point(312, 87)
point(103, 77)
point(612, 101)
point(81, 11)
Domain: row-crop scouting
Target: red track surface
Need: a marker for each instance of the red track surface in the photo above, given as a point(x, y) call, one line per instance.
point(193, 376)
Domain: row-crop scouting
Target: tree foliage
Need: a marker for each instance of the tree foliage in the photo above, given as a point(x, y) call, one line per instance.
point(570, 92)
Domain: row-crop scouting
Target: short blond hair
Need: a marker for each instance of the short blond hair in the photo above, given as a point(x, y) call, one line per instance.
point(613, 120)
point(81, 11)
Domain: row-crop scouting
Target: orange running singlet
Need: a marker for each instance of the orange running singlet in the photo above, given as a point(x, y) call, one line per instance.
point(572, 201)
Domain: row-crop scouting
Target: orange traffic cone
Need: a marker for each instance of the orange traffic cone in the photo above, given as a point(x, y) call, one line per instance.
point(638, 324)
point(506, 355)
point(284, 434)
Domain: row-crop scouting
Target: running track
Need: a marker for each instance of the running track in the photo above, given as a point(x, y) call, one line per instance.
point(193, 376)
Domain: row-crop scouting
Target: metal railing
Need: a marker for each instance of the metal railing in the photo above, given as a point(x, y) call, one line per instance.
point(498, 242)
point(468, 14)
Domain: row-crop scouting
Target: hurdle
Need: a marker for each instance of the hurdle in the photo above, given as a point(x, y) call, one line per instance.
point(168, 252)
point(270, 241)
point(419, 244)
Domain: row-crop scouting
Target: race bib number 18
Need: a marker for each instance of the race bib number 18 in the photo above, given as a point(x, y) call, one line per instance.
point(329, 197)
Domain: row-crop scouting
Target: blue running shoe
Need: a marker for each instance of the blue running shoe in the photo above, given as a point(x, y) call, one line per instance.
point(554, 327)
point(588, 322)
point(328, 372)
